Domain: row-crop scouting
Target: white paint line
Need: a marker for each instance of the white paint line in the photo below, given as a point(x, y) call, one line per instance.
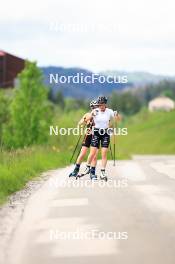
point(63, 223)
point(131, 170)
point(167, 168)
point(78, 248)
point(70, 202)
point(51, 229)
point(154, 198)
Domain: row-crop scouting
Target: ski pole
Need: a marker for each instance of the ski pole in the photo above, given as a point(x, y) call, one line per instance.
point(75, 147)
point(80, 148)
point(77, 154)
point(114, 150)
point(111, 151)
point(114, 144)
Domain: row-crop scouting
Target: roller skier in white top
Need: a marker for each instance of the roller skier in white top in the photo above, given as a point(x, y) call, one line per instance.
point(101, 136)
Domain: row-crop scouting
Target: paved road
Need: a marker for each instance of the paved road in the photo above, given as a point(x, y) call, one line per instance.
point(130, 219)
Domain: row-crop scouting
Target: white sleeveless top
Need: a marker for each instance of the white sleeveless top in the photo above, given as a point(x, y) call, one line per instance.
point(101, 119)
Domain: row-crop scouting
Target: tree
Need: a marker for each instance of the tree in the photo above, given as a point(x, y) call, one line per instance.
point(76, 104)
point(60, 99)
point(30, 111)
point(4, 112)
point(168, 93)
point(125, 102)
point(130, 103)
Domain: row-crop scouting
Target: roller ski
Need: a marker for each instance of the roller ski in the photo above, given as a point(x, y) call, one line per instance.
point(86, 171)
point(103, 176)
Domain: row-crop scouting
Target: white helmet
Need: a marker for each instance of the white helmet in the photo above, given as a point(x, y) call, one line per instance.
point(93, 103)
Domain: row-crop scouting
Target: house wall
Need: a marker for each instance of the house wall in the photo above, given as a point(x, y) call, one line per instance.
point(10, 66)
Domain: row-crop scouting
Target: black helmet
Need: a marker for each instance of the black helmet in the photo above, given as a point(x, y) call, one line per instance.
point(102, 100)
point(93, 103)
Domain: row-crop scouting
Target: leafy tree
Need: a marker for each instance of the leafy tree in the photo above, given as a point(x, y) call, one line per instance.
point(130, 103)
point(60, 99)
point(125, 102)
point(76, 104)
point(30, 111)
point(150, 91)
point(4, 112)
point(168, 93)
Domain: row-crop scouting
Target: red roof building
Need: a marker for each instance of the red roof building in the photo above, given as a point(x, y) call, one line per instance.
point(10, 66)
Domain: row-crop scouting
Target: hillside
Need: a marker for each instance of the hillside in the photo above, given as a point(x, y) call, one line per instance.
point(89, 91)
point(80, 90)
point(148, 133)
point(139, 77)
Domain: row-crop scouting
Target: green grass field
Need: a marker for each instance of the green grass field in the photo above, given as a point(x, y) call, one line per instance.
point(20, 166)
point(148, 133)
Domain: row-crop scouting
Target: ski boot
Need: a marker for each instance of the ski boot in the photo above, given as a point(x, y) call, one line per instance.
point(103, 176)
point(93, 176)
point(74, 173)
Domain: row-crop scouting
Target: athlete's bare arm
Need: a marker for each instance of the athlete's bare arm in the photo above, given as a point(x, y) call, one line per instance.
point(89, 117)
point(85, 119)
point(117, 116)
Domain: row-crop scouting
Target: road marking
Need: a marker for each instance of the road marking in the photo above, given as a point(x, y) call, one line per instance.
point(167, 168)
point(70, 202)
point(49, 229)
point(154, 198)
point(131, 170)
point(78, 248)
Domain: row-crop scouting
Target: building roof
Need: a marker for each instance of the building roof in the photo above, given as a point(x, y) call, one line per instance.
point(162, 101)
point(2, 53)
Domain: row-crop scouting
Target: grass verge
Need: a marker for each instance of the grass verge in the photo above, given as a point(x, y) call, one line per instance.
point(19, 166)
